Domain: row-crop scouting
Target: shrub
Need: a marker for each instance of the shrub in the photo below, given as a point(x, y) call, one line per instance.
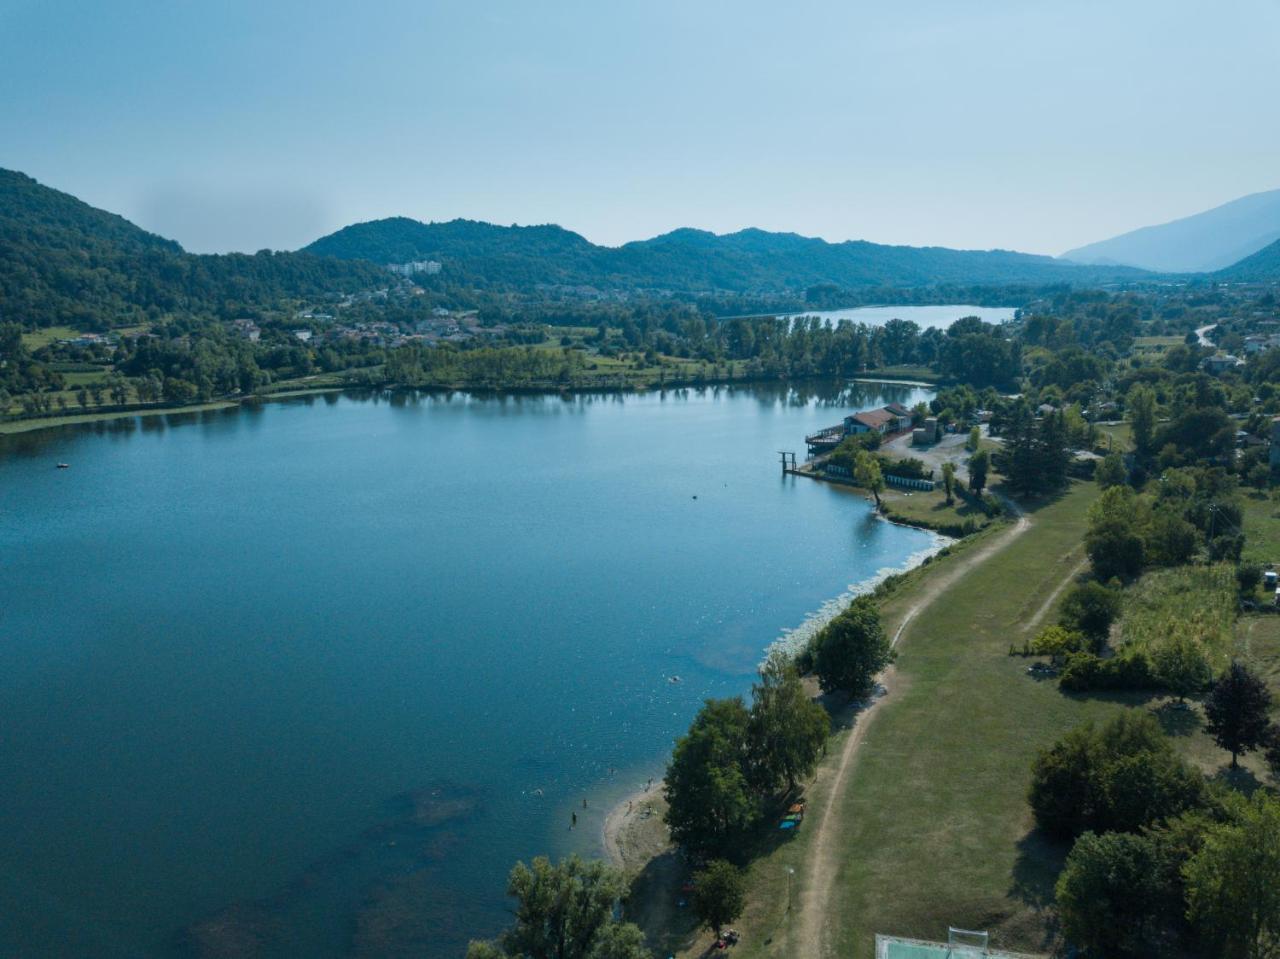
point(1085, 672)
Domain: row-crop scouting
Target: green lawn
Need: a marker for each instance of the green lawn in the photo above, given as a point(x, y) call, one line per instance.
point(936, 830)
point(930, 510)
point(1261, 527)
point(33, 341)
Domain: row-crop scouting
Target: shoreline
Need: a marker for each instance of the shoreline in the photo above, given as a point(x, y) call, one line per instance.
point(627, 844)
point(625, 817)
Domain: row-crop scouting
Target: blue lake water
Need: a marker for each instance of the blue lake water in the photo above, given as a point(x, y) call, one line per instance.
point(305, 679)
point(939, 317)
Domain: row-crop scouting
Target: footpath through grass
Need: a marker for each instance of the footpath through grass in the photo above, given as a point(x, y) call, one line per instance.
point(934, 825)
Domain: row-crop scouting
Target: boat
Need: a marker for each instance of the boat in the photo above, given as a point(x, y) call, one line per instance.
point(64, 466)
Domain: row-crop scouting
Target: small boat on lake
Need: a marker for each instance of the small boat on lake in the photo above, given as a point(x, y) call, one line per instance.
point(64, 466)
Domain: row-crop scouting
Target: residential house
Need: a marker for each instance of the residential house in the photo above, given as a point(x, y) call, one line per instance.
point(1220, 363)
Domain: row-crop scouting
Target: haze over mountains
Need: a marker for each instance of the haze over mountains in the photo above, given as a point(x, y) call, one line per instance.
point(1202, 243)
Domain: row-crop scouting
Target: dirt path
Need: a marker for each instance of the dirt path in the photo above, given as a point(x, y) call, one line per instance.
point(1040, 613)
point(809, 935)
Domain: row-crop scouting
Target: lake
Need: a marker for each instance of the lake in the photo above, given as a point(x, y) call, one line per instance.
point(939, 317)
point(306, 678)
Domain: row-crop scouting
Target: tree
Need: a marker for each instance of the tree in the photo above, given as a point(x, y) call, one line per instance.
point(852, 649)
point(1142, 419)
point(1110, 471)
point(1107, 895)
point(1018, 458)
point(867, 474)
point(709, 802)
point(1121, 776)
point(1180, 665)
point(719, 894)
point(1091, 608)
point(949, 481)
point(979, 466)
point(1248, 576)
point(565, 911)
point(787, 729)
point(1233, 882)
point(974, 440)
point(1169, 539)
point(1236, 712)
point(1113, 540)
point(1272, 747)
point(1051, 453)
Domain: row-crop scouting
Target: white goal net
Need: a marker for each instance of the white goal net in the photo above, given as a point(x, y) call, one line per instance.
point(967, 942)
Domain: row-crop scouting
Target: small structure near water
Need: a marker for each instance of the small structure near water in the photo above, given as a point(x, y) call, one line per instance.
point(893, 418)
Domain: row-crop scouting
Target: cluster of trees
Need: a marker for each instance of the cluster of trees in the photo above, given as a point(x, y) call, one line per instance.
point(1190, 512)
point(1035, 454)
point(1161, 861)
point(734, 759)
point(565, 911)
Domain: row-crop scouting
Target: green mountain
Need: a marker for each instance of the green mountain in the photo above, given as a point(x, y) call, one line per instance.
point(1261, 267)
point(1207, 241)
point(749, 261)
point(65, 262)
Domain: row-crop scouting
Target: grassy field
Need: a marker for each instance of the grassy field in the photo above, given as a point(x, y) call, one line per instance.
point(1261, 527)
point(935, 825)
point(1198, 602)
point(1121, 436)
point(930, 510)
point(39, 338)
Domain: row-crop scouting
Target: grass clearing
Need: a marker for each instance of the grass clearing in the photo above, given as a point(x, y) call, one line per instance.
point(935, 825)
point(930, 510)
point(1261, 527)
point(1198, 602)
point(49, 334)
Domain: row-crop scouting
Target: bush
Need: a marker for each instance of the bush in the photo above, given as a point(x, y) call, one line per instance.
point(1085, 672)
point(1248, 576)
point(911, 468)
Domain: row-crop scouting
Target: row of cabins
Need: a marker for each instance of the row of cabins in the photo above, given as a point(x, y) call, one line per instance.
point(893, 418)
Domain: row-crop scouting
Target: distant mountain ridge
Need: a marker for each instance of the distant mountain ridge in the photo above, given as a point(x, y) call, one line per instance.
point(1202, 243)
point(690, 260)
point(1261, 267)
point(63, 261)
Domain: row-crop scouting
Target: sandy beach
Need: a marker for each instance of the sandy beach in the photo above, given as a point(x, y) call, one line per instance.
point(633, 831)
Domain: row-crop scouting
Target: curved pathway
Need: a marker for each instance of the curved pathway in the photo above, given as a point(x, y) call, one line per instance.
point(809, 936)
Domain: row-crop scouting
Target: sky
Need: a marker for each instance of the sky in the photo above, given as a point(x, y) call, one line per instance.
point(1028, 125)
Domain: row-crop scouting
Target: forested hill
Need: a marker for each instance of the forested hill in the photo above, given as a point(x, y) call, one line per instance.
point(690, 260)
point(65, 262)
point(1262, 267)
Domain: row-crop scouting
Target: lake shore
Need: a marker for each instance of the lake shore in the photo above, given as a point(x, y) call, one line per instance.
point(633, 831)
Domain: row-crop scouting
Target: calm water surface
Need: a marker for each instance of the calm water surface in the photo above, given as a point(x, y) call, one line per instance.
point(305, 679)
point(926, 316)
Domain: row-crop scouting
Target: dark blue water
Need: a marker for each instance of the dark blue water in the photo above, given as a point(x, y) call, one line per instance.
point(306, 679)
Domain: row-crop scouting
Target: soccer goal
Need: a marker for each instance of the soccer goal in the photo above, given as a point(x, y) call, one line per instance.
point(966, 942)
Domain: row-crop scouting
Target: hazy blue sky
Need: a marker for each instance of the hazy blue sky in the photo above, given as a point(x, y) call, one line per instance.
point(1028, 125)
